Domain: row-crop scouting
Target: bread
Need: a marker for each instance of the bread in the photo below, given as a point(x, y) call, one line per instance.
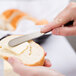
point(3, 22)
point(29, 53)
point(11, 12)
point(12, 17)
point(9, 16)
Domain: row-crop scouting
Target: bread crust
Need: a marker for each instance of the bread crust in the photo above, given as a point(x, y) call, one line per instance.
point(42, 22)
point(9, 12)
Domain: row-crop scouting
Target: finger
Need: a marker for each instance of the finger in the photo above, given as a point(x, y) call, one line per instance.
point(64, 17)
point(47, 63)
point(65, 31)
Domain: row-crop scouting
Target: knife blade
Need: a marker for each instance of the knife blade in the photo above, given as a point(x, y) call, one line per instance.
point(19, 40)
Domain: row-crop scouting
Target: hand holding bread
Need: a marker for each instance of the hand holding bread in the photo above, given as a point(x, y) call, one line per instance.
point(22, 70)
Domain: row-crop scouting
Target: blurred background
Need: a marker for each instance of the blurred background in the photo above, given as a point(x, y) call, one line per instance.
point(72, 39)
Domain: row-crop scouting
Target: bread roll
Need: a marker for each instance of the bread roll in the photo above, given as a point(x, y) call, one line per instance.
point(13, 16)
point(3, 22)
point(10, 15)
point(29, 53)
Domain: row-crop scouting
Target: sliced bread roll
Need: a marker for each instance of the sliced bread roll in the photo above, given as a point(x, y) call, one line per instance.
point(29, 53)
point(14, 16)
point(6, 17)
point(9, 15)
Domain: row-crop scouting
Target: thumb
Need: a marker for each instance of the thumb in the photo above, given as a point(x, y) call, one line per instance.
point(64, 31)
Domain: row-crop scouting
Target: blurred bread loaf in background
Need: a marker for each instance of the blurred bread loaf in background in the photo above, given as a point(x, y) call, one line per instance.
point(10, 19)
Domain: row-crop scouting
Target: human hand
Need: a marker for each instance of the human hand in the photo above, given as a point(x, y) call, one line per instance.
point(57, 25)
point(31, 71)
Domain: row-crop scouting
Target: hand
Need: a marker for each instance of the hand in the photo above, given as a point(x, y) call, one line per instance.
point(57, 25)
point(31, 71)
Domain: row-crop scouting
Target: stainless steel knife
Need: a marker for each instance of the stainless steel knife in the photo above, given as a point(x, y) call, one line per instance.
point(16, 41)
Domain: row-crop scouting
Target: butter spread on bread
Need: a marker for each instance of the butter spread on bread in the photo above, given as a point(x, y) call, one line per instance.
point(29, 53)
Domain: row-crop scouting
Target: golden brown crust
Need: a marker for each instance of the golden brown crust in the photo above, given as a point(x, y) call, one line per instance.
point(31, 18)
point(16, 19)
point(42, 22)
point(40, 63)
point(5, 57)
point(9, 12)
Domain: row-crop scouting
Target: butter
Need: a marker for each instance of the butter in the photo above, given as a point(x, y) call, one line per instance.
point(17, 49)
point(20, 48)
